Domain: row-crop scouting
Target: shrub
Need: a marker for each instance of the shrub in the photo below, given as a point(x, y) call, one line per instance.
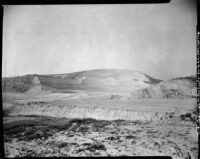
point(6, 112)
point(63, 144)
point(188, 116)
point(95, 146)
point(130, 137)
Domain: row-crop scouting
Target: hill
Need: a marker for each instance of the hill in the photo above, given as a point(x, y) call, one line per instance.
point(181, 87)
point(97, 80)
point(104, 80)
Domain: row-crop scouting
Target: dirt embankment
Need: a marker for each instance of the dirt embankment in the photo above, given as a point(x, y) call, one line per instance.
point(176, 88)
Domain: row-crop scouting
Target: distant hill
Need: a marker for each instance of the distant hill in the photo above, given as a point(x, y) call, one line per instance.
point(98, 80)
point(105, 80)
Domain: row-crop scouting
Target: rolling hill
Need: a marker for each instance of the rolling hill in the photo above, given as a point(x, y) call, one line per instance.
point(104, 80)
point(96, 80)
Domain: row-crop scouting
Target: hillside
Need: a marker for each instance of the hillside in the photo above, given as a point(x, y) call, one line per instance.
point(182, 87)
point(103, 80)
point(17, 84)
point(96, 80)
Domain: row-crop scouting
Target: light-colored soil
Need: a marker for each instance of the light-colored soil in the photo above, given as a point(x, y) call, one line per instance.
point(47, 137)
point(150, 127)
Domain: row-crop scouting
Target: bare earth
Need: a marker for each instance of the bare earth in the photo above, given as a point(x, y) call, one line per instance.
point(97, 124)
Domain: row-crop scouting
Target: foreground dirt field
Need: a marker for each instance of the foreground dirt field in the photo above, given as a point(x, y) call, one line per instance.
point(99, 125)
point(44, 136)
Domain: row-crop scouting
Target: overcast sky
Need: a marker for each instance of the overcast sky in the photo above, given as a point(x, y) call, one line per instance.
point(156, 39)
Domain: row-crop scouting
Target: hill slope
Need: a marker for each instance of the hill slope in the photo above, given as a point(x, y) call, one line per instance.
point(182, 87)
point(97, 80)
point(104, 80)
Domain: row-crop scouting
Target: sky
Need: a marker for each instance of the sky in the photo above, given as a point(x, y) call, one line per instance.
point(156, 39)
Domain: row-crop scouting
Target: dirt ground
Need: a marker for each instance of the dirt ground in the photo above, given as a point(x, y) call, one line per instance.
point(46, 137)
point(171, 132)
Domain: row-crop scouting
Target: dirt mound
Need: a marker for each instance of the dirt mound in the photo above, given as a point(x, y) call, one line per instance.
point(35, 81)
point(176, 88)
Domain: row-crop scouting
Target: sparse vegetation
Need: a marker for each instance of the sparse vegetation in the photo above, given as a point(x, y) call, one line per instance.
point(189, 116)
point(92, 147)
point(6, 112)
point(123, 125)
point(16, 84)
point(69, 139)
point(63, 144)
